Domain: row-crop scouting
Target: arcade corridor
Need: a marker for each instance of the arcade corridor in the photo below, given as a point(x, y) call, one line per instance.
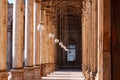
point(59, 40)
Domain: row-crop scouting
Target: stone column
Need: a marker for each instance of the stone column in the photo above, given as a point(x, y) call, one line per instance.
point(100, 39)
point(87, 38)
point(42, 43)
point(37, 8)
point(83, 37)
point(52, 49)
point(17, 45)
point(104, 39)
point(94, 40)
point(90, 38)
point(48, 46)
point(44, 36)
point(3, 39)
point(29, 40)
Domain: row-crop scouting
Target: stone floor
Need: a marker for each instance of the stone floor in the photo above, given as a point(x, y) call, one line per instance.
point(65, 75)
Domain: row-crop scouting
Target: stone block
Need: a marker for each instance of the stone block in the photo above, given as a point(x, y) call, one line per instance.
point(17, 74)
point(37, 73)
point(3, 76)
point(29, 73)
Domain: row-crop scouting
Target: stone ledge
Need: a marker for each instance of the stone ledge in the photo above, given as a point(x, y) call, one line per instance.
point(29, 68)
point(17, 70)
point(36, 67)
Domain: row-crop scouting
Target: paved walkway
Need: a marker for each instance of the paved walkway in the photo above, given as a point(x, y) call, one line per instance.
point(65, 75)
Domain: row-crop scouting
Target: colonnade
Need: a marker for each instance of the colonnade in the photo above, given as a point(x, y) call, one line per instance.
point(38, 57)
point(96, 28)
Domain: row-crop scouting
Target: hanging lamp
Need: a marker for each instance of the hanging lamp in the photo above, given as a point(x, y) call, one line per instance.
point(51, 35)
point(56, 40)
point(40, 27)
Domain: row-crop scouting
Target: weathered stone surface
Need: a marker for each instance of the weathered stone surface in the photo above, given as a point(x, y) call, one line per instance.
point(36, 34)
point(3, 34)
point(3, 75)
point(17, 45)
point(17, 74)
point(37, 73)
point(29, 35)
point(29, 73)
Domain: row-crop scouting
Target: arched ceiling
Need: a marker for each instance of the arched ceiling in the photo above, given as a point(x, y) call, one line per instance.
point(69, 10)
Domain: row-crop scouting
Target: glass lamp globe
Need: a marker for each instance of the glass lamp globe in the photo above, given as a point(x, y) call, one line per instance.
point(56, 40)
point(60, 43)
point(51, 35)
point(66, 50)
point(65, 47)
point(40, 27)
point(62, 46)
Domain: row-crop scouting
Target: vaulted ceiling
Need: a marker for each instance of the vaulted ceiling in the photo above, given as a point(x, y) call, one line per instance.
point(66, 14)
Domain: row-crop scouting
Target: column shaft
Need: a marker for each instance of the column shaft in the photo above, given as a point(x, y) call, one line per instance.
point(17, 45)
point(37, 72)
point(17, 52)
point(3, 34)
point(29, 40)
point(3, 37)
point(29, 33)
point(36, 34)
point(44, 36)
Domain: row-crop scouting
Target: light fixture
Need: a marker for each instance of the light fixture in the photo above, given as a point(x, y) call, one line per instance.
point(56, 40)
point(66, 50)
point(62, 46)
point(40, 27)
point(60, 43)
point(51, 35)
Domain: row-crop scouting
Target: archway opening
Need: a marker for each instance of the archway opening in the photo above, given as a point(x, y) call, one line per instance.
point(69, 31)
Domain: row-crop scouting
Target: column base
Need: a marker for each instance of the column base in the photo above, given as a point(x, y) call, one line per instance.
point(44, 66)
point(29, 73)
point(87, 74)
point(37, 73)
point(96, 78)
point(3, 75)
point(17, 74)
point(48, 68)
point(92, 75)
